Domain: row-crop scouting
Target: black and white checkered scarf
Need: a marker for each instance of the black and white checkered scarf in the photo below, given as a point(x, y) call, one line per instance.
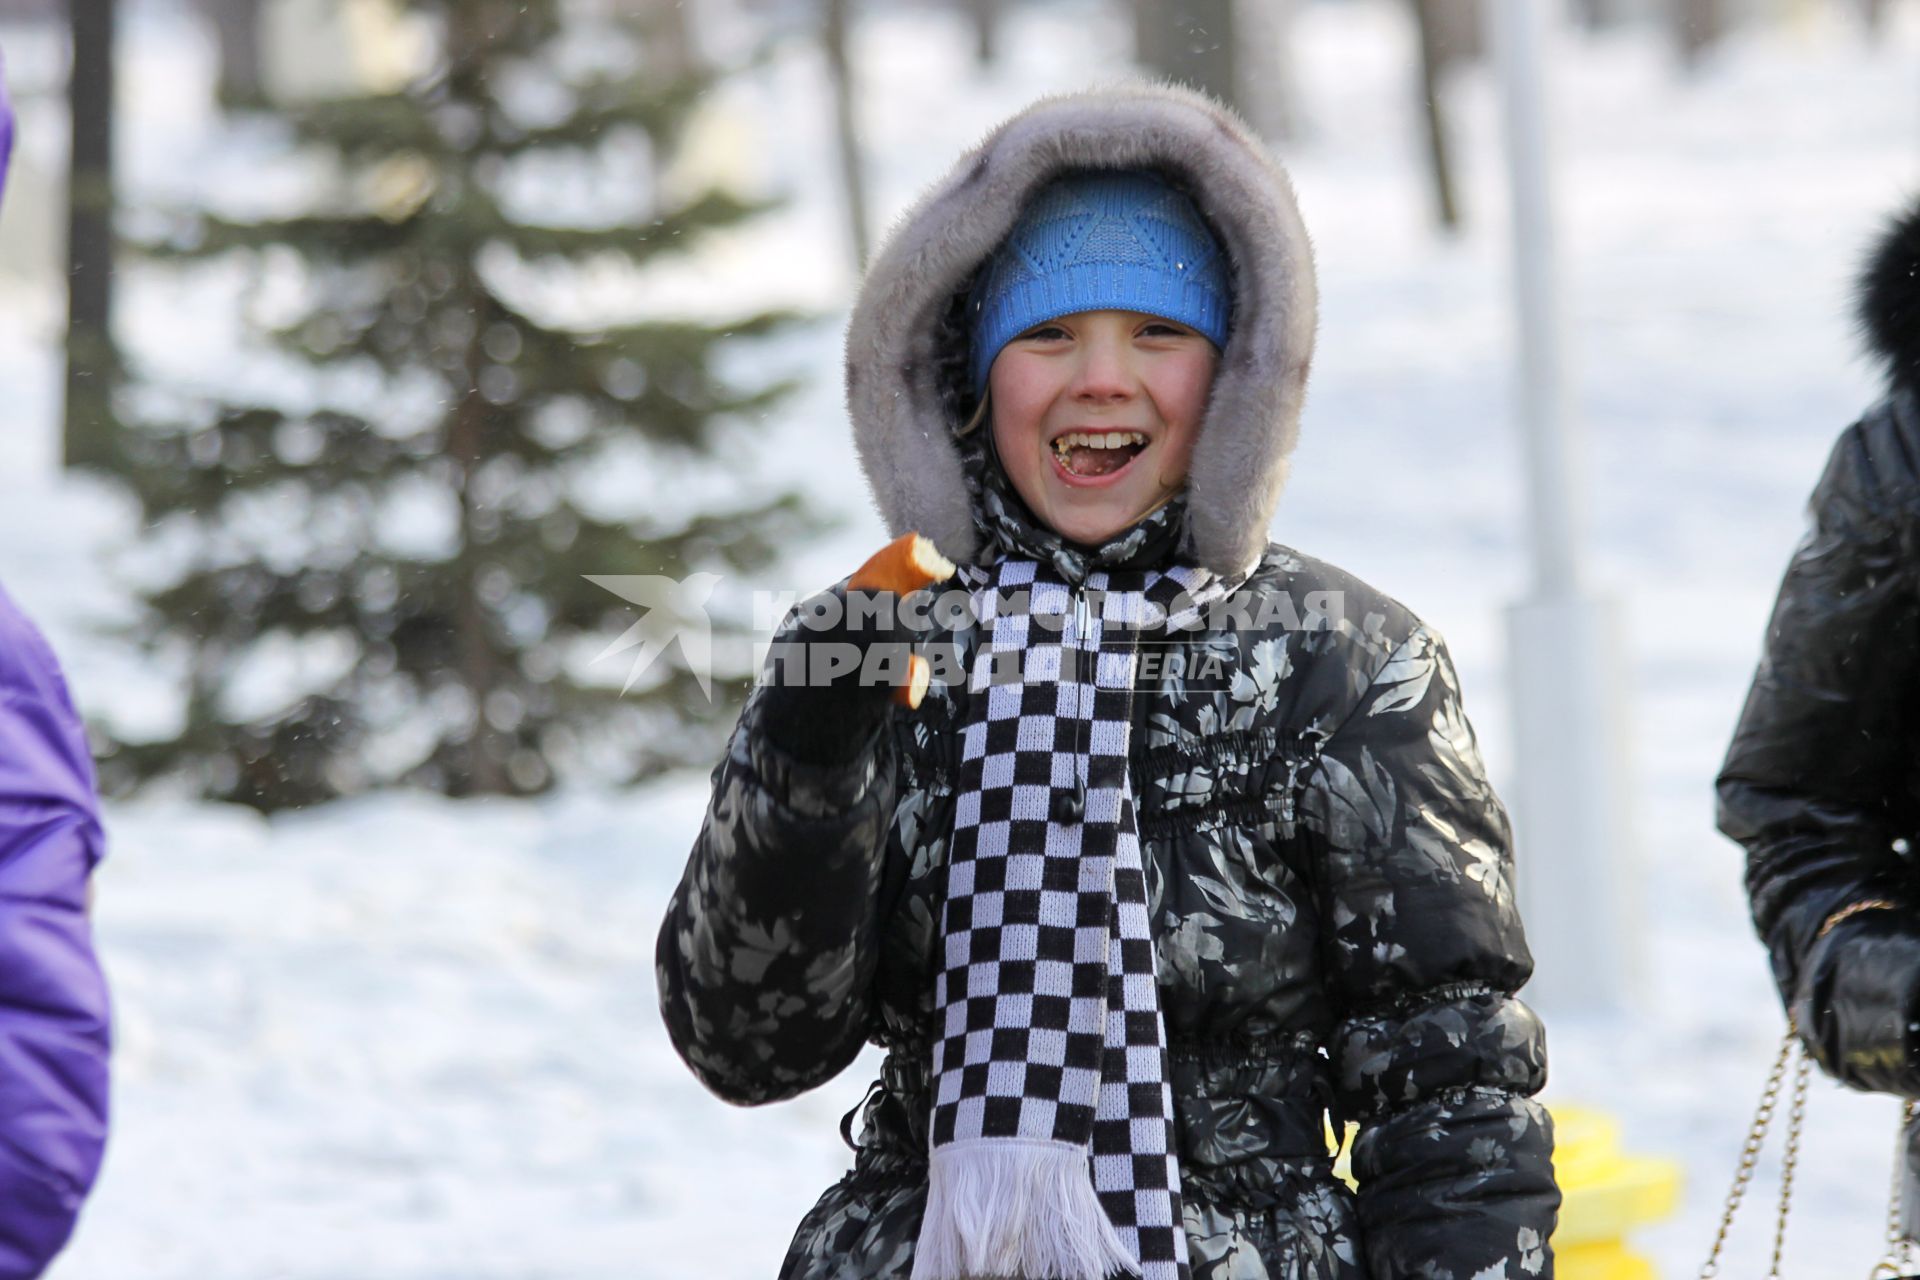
point(1052, 1134)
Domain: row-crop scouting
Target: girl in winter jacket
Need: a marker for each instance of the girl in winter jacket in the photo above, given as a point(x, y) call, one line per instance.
point(1820, 781)
point(1187, 844)
point(53, 1000)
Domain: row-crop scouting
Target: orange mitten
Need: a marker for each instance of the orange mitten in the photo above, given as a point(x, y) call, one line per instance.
point(828, 723)
point(908, 563)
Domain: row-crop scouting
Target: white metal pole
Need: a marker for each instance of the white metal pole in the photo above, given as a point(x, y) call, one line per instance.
point(1552, 495)
point(1576, 863)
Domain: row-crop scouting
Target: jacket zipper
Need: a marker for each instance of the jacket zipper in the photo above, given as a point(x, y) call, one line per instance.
point(1083, 624)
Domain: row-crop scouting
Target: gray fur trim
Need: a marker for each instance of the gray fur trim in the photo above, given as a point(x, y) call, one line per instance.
point(1239, 463)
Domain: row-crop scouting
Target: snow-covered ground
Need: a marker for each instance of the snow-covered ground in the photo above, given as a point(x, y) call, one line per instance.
point(409, 1038)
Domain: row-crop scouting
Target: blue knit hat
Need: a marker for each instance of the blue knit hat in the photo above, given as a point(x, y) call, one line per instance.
point(1099, 239)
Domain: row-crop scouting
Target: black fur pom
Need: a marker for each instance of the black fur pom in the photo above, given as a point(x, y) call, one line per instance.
point(1888, 297)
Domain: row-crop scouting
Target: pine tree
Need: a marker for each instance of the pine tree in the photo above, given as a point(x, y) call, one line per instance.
point(460, 666)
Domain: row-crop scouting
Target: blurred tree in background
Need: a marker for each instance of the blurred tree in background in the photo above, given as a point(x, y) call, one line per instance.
point(1698, 25)
point(90, 430)
point(1191, 42)
point(412, 526)
point(236, 30)
point(1450, 34)
point(1238, 51)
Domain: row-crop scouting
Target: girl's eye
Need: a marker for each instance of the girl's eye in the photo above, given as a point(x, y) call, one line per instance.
point(1164, 330)
point(1046, 332)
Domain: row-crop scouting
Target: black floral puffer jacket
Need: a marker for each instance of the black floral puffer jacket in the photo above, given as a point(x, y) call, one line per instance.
point(1329, 873)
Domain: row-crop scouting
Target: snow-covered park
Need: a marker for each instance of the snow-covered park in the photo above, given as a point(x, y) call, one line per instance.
point(405, 1037)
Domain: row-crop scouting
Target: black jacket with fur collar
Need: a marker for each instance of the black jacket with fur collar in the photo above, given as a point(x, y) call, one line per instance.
point(1822, 781)
point(1329, 873)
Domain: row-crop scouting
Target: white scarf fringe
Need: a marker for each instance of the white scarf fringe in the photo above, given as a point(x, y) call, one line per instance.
point(1015, 1207)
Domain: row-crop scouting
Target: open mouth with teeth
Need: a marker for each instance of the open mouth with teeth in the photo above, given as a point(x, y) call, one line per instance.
point(1092, 455)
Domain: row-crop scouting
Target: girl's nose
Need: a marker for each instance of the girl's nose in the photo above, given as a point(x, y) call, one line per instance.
point(1105, 372)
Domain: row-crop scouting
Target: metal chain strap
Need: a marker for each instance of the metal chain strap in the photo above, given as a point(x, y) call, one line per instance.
point(1796, 1114)
point(1902, 1257)
point(1750, 1156)
point(1902, 1251)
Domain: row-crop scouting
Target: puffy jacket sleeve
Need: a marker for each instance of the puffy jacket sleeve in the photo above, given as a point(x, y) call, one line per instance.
point(1432, 1054)
point(1819, 779)
point(53, 999)
point(766, 958)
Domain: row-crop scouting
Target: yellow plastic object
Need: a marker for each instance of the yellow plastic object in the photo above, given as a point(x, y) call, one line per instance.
point(1606, 1194)
point(1601, 1262)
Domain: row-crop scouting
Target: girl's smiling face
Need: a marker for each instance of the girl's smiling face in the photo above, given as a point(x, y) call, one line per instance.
point(1095, 414)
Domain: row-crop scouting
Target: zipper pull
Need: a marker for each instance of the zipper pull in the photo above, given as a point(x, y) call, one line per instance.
point(1069, 807)
point(1082, 629)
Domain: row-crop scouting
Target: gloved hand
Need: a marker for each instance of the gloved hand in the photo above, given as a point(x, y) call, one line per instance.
point(1858, 1005)
point(829, 718)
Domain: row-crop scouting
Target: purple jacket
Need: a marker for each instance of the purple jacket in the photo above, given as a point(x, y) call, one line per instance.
point(6, 127)
point(53, 998)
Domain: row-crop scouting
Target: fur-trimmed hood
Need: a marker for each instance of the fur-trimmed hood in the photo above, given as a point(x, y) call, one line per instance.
point(899, 361)
point(1888, 297)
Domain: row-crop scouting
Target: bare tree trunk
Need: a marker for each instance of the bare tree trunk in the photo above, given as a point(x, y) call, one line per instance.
point(477, 764)
point(1697, 25)
point(236, 28)
point(93, 365)
point(985, 15)
point(1460, 29)
point(1434, 56)
point(853, 184)
point(1189, 41)
point(1265, 67)
point(667, 55)
point(1596, 15)
point(1875, 13)
point(671, 36)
